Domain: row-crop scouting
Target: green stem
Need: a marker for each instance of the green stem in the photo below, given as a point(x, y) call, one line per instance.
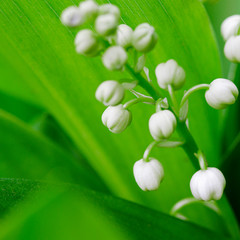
point(143, 83)
point(202, 160)
point(158, 105)
point(173, 98)
point(189, 146)
point(191, 91)
point(233, 69)
point(148, 150)
point(188, 201)
point(138, 100)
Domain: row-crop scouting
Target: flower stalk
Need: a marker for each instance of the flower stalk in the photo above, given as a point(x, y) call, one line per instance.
point(193, 90)
point(189, 146)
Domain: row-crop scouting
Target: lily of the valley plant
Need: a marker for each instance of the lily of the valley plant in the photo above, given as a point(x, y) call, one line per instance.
point(118, 45)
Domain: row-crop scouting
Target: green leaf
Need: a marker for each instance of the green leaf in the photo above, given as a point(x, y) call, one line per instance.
point(65, 84)
point(13, 74)
point(26, 153)
point(20, 108)
point(60, 212)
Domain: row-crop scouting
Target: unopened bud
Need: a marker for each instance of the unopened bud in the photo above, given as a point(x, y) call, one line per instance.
point(109, 9)
point(144, 38)
point(148, 175)
point(88, 9)
point(162, 124)
point(116, 118)
point(230, 27)
point(106, 25)
point(114, 58)
point(110, 93)
point(71, 17)
point(124, 35)
point(232, 49)
point(208, 184)
point(170, 73)
point(221, 93)
point(86, 43)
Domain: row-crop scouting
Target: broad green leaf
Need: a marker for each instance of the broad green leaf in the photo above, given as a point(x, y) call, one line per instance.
point(65, 84)
point(21, 109)
point(26, 153)
point(12, 78)
point(74, 212)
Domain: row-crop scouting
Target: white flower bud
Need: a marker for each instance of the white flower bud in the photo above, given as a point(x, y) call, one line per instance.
point(110, 93)
point(88, 9)
point(71, 17)
point(162, 124)
point(232, 49)
point(116, 118)
point(170, 73)
point(124, 35)
point(106, 25)
point(148, 175)
point(221, 93)
point(208, 184)
point(86, 43)
point(230, 26)
point(114, 58)
point(144, 38)
point(109, 9)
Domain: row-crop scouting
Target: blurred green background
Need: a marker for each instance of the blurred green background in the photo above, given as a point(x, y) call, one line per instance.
point(63, 174)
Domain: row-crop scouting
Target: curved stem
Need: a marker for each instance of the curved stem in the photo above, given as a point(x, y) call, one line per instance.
point(188, 201)
point(148, 150)
point(173, 98)
point(202, 160)
point(191, 91)
point(158, 105)
point(189, 146)
point(138, 100)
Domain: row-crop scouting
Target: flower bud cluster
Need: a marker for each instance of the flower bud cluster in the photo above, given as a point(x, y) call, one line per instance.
point(116, 118)
point(230, 30)
point(107, 31)
point(113, 40)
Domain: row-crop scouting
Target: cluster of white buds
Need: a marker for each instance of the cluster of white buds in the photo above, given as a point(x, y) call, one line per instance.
point(230, 30)
point(107, 31)
point(113, 41)
point(116, 117)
